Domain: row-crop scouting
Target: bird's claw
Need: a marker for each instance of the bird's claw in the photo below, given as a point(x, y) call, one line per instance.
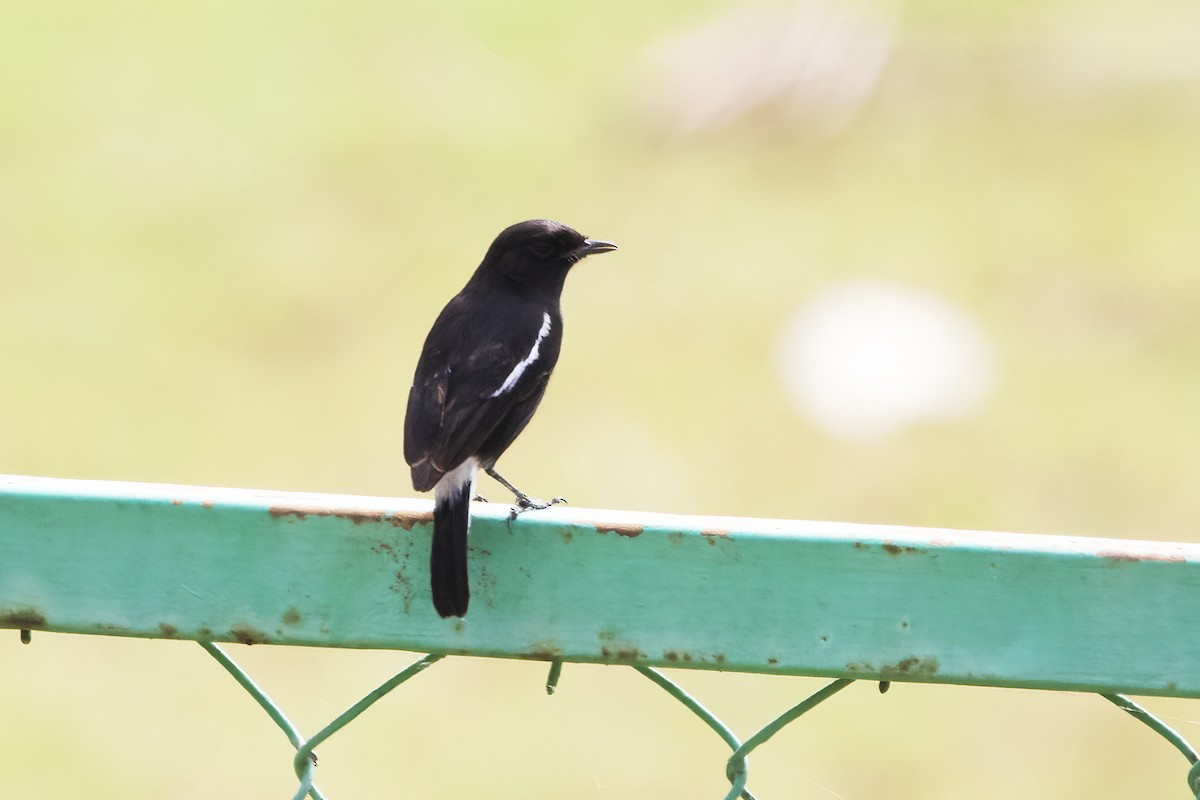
point(479, 499)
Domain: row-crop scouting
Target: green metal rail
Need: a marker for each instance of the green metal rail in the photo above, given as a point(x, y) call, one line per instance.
point(648, 590)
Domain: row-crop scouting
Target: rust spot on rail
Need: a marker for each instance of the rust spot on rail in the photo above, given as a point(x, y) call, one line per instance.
point(912, 665)
point(621, 529)
point(1116, 557)
point(627, 653)
point(302, 513)
point(24, 618)
point(544, 651)
point(406, 519)
point(400, 519)
point(248, 635)
point(612, 648)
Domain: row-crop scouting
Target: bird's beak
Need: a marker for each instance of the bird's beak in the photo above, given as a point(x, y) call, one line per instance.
point(591, 246)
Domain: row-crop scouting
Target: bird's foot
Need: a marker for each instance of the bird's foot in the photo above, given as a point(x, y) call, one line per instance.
point(479, 499)
point(527, 503)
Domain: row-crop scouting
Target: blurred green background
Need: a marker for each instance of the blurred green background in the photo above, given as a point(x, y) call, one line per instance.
point(225, 229)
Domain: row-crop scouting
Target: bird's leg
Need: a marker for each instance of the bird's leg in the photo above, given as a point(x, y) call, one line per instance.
point(522, 498)
point(524, 501)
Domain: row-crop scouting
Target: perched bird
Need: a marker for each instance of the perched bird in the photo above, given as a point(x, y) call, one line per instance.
point(481, 375)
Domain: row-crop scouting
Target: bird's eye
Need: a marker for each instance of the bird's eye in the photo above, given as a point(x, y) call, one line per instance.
point(541, 249)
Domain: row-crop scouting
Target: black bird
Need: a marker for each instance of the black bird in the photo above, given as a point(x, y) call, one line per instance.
point(481, 375)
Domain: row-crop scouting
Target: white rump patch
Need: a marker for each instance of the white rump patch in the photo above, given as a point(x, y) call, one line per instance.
point(453, 481)
point(524, 363)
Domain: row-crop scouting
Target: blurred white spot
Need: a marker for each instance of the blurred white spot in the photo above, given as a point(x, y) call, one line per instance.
point(865, 358)
point(811, 64)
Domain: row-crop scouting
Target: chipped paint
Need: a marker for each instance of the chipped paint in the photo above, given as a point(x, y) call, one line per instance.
point(620, 529)
point(407, 519)
point(357, 516)
point(399, 519)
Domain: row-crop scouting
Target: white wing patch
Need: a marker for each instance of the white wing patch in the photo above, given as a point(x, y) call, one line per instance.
point(524, 363)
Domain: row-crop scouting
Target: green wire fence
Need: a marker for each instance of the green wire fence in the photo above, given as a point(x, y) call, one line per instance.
point(849, 602)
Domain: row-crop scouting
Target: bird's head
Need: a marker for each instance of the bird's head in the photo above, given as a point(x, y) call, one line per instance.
point(539, 252)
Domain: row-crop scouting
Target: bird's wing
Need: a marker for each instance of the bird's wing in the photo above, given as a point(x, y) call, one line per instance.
point(469, 380)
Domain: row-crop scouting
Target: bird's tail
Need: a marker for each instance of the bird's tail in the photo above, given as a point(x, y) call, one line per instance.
point(448, 559)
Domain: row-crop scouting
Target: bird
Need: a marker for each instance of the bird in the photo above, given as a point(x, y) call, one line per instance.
point(481, 374)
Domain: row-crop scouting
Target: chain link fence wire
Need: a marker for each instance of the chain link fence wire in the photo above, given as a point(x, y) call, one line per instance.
point(737, 767)
point(1167, 732)
point(305, 760)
